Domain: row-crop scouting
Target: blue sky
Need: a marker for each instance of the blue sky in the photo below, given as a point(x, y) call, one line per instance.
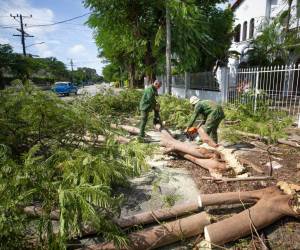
point(64, 41)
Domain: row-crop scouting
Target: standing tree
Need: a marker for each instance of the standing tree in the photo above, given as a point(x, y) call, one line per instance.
point(132, 34)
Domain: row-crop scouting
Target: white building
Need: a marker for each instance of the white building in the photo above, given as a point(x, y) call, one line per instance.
point(250, 17)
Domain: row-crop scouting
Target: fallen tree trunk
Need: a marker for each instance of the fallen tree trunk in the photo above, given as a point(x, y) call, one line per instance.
point(158, 215)
point(101, 139)
point(270, 207)
point(233, 197)
point(174, 145)
point(213, 166)
point(129, 221)
point(161, 235)
point(251, 178)
point(206, 138)
point(130, 129)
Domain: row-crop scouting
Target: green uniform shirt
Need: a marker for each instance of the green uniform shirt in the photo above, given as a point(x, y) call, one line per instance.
point(148, 100)
point(204, 108)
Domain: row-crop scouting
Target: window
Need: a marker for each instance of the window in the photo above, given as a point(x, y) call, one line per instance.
point(251, 28)
point(237, 33)
point(245, 31)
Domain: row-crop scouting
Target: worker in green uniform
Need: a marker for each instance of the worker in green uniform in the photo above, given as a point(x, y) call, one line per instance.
point(148, 103)
point(212, 114)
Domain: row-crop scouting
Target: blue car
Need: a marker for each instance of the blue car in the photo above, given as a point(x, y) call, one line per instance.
point(64, 88)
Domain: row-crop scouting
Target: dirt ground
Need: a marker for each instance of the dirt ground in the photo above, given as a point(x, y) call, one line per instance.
point(285, 234)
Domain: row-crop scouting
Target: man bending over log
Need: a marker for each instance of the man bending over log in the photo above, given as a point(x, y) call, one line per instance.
point(148, 103)
point(212, 114)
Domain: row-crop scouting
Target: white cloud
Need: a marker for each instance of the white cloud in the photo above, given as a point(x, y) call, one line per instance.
point(44, 50)
point(77, 50)
point(4, 40)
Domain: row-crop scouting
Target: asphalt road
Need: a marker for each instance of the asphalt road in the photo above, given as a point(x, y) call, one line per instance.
point(90, 90)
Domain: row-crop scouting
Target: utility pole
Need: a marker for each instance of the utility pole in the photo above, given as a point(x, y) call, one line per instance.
point(168, 51)
point(23, 34)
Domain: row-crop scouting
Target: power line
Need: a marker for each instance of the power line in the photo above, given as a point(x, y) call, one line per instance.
point(64, 21)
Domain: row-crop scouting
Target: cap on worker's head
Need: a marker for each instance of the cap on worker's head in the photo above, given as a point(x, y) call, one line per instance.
point(194, 100)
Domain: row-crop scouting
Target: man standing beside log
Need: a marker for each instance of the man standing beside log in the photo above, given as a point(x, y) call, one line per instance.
point(148, 103)
point(212, 114)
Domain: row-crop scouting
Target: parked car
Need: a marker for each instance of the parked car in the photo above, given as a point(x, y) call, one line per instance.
point(64, 88)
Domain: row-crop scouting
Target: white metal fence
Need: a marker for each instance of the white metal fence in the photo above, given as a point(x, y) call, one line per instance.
point(196, 81)
point(278, 86)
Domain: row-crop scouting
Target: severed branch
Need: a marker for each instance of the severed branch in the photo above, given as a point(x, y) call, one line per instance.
point(224, 179)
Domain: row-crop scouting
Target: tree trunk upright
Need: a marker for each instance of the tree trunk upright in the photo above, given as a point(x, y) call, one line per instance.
point(168, 50)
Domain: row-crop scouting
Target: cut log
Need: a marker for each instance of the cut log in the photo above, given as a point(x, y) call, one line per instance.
point(130, 129)
point(161, 235)
point(271, 207)
point(251, 178)
point(206, 139)
point(213, 166)
point(158, 215)
point(233, 197)
point(100, 139)
point(170, 143)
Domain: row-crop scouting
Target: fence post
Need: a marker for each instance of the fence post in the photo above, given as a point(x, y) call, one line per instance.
point(256, 89)
point(186, 84)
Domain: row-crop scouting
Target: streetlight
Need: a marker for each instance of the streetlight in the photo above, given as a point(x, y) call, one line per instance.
point(34, 44)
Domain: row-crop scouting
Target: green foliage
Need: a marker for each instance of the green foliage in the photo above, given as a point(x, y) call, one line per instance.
point(174, 111)
point(124, 103)
point(264, 122)
point(132, 35)
point(44, 161)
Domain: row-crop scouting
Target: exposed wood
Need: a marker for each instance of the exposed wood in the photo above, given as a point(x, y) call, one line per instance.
point(158, 215)
point(101, 139)
point(271, 207)
point(130, 129)
point(205, 138)
point(233, 197)
point(170, 143)
point(213, 166)
point(161, 235)
point(224, 179)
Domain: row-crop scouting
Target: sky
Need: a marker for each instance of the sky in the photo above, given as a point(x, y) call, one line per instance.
point(71, 40)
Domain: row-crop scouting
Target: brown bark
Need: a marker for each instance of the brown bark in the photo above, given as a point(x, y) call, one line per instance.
point(174, 145)
point(251, 178)
point(234, 197)
point(101, 139)
point(162, 235)
point(205, 138)
point(158, 215)
point(130, 129)
point(271, 207)
point(213, 166)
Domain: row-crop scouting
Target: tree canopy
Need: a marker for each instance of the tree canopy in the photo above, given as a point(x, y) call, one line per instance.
point(131, 34)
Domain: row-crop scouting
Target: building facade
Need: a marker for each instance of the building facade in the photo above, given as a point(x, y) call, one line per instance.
point(250, 18)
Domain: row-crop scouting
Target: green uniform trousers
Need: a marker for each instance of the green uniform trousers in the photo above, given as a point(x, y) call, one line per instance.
point(144, 119)
point(212, 123)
